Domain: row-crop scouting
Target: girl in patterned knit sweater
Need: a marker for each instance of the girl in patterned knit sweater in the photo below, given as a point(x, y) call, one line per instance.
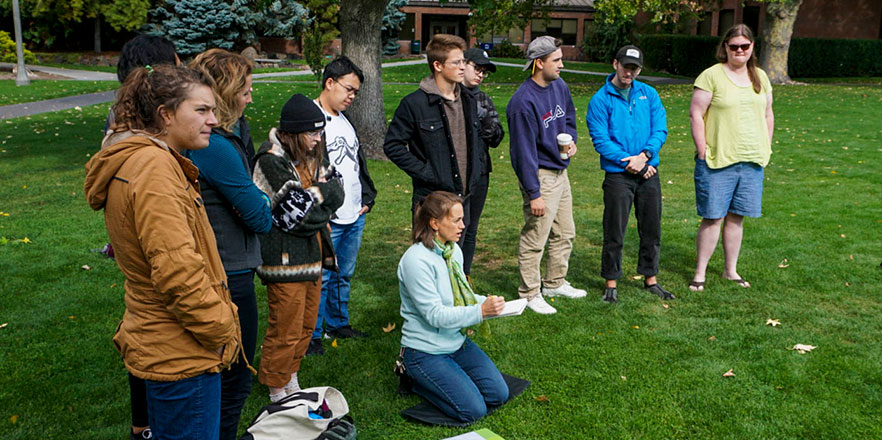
point(304, 192)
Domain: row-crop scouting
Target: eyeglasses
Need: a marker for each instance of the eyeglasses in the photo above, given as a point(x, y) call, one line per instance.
point(743, 47)
point(315, 133)
point(481, 71)
point(351, 91)
point(459, 62)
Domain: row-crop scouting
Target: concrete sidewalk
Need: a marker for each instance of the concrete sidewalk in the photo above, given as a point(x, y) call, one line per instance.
point(54, 105)
point(70, 74)
point(647, 79)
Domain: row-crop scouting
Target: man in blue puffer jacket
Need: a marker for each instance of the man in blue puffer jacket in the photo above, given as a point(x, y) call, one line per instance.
point(628, 126)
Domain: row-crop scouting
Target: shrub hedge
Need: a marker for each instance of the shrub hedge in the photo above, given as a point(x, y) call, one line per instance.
point(689, 55)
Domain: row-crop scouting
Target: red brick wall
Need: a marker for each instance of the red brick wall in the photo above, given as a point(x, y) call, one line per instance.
point(839, 19)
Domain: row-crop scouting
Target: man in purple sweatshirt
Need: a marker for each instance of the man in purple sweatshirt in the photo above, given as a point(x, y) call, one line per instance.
point(539, 111)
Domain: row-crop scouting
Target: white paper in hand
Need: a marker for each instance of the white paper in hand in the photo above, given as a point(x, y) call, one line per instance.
point(512, 308)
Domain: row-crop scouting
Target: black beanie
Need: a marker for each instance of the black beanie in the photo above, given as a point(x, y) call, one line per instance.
point(301, 114)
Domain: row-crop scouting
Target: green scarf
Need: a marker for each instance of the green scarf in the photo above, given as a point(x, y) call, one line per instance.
point(463, 295)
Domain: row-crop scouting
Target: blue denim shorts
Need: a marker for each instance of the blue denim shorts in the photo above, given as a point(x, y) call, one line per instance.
point(737, 188)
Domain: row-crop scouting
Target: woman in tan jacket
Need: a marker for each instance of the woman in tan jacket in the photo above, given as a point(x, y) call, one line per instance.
point(180, 327)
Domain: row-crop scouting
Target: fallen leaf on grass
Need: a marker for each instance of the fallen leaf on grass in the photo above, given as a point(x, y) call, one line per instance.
point(71, 317)
point(803, 348)
point(635, 327)
point(389, 327)
point(729, 373)
point(541, 398)
point(14, 418)
point(666, 306)
point(624, 378)
point(847, 284)
point(842, 235)
point(773, 322)
point(4, 325)
point(712, 338)
point(86, 267)
point(783, 264)
point(637, 277)
point(334, 343)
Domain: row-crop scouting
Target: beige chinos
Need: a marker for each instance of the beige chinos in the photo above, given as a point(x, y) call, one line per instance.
point(556, 228)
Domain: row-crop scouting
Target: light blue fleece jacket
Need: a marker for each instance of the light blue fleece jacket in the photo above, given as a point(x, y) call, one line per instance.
point(620, 128)
point(431, 322)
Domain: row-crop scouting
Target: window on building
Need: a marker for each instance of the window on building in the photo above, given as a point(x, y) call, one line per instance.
point(727, 20)
point(565, 29)
point(705, 23)
point(408, 28)
point(751, 18)
point(514, 36)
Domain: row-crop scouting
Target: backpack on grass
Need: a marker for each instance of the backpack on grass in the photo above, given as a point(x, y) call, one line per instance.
point(311, 414)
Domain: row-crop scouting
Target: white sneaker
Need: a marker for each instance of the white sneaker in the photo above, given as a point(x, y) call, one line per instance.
point(565, 290)
point(538, 305)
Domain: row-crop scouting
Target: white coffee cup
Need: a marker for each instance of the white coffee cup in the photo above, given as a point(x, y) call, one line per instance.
point(563, 142)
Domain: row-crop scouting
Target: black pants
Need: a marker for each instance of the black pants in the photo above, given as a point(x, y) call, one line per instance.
point(236, 382)
point(476, 206)
point(620, 191)
point(138, 394)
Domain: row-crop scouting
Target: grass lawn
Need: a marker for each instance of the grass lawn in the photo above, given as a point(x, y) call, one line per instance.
point(634, 370)
point(850, 80)
point(48, 89)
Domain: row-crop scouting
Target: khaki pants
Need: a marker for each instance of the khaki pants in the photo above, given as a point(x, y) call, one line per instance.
point(293, 308)
point(556, 228)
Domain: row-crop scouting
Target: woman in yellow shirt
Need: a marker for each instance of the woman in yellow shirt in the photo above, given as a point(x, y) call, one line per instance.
point(732, 125)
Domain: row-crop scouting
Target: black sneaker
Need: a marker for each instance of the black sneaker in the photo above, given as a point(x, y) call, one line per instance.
point(611, 295)
point(143, 435)
point(347, 332)
point(659, 290)
point(315, 347)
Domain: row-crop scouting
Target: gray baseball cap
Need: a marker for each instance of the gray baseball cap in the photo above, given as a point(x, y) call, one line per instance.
point(538, 48)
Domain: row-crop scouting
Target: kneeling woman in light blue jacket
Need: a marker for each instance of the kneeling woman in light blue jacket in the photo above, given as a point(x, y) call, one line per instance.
point(438, 306)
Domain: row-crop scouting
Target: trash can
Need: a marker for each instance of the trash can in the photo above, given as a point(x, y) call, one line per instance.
point(415, 47)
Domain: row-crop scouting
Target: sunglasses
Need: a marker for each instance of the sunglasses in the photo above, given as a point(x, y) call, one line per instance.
point(735, 47)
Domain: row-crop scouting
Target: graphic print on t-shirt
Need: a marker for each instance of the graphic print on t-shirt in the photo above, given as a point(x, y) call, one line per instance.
point(339, 150)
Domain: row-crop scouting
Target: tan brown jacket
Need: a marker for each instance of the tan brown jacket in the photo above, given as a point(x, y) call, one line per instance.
point(179, 313)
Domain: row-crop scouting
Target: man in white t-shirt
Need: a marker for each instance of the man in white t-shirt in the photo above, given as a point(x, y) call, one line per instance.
point(341, 81)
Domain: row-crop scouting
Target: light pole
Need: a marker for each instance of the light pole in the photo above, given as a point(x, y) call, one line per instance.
point(21, 79)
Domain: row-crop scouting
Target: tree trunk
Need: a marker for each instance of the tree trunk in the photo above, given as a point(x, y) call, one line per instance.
point(360, 23)
point(97, 34)
point(780, 16)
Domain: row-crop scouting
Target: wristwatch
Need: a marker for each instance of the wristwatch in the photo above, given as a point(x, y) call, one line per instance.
point(648, 154)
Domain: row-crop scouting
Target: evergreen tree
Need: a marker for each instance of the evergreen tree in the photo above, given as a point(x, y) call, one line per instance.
point(392, 21)
point(286, 19)
point(197, 25)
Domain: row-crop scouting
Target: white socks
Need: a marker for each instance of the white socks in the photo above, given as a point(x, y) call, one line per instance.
point(290, 388)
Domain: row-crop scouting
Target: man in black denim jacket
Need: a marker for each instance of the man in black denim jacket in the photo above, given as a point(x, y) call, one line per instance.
point(434, 135)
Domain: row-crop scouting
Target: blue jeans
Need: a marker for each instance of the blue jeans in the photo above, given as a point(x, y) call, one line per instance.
point(334, 305)
point(461, 384)
point(185, 409)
